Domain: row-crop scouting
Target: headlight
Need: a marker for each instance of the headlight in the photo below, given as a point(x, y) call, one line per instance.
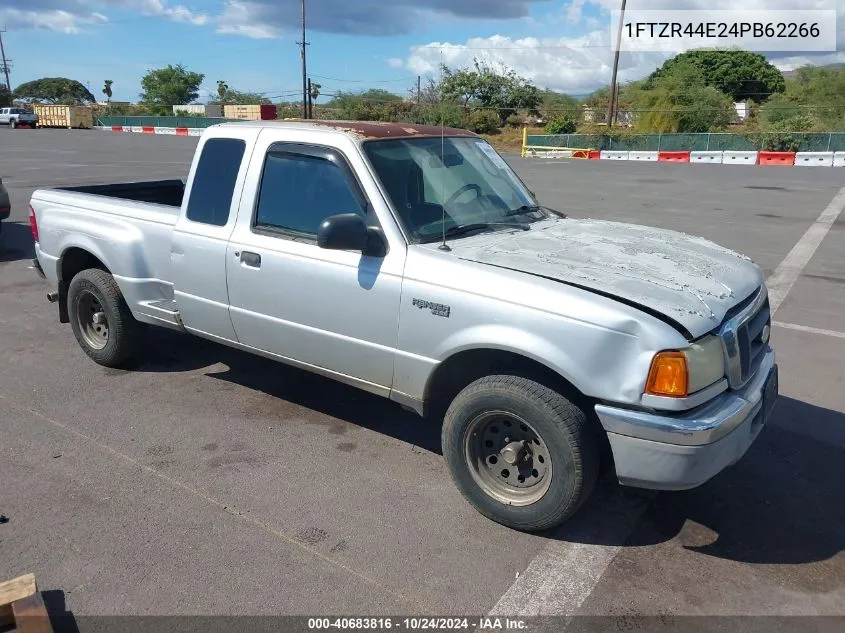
point(680, 373)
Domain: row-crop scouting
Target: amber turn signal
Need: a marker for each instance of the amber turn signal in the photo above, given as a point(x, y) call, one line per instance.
point(668, 375)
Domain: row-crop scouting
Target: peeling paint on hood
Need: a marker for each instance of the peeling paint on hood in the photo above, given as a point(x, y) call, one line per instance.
point(688, 279)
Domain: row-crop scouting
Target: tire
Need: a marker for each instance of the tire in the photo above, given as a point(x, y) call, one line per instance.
point(561, 483)
point(95, 291)
point(13, 124)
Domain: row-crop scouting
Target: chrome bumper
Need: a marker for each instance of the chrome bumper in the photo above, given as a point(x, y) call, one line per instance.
point(674, 452)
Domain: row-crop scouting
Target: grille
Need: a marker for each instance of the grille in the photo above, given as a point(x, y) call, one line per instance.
point(743, 337)
point(752, 347)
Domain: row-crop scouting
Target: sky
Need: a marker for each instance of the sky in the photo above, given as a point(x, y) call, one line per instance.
point(562, 45)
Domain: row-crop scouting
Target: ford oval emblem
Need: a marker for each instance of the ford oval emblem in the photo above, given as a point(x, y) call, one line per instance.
point(764, 335)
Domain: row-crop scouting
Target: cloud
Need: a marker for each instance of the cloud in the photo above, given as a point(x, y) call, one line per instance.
point(269, 18)
point(51, 20)
point(582, 63)
point(576, 65)
point(395, 62)
point(70, 16)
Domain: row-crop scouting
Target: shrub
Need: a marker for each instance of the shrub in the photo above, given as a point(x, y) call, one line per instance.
point(514, 120)
point(560, 125)
point(484, 121)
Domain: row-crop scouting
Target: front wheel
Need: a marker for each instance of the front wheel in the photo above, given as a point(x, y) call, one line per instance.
point(101, 320)
point(13, 124)
point(522, 454)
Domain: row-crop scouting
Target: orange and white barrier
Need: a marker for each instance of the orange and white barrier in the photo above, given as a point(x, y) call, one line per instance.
point(786, 159)
point(673, 157)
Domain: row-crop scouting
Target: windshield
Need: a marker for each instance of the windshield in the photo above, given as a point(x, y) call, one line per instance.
point(471, 183)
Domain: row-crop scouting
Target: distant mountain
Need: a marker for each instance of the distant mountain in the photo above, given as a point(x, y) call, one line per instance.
point(788, 74)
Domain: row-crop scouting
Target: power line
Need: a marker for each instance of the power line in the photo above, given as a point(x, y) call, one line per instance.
point(365, 81)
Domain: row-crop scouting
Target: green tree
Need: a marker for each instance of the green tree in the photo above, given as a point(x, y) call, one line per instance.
point(555, 104)
point(561, 124)
point(169, 86)
point(54, 90)
point(817, 94)
point(487, 88)
point(107, 89)
point(5, 97)
point(236, 97)
point(680, 100)
point(739, 74)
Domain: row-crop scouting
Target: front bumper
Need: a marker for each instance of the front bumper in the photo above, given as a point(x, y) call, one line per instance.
point(676, 452)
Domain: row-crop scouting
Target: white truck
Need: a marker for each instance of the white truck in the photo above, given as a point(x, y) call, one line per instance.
point(412, 262)
point(15, 117)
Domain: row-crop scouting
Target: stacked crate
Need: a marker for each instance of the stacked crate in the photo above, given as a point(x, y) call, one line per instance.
point(64, 116)
point(250, 112)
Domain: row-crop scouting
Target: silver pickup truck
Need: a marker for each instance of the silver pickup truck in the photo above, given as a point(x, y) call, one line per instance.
point(412, 262)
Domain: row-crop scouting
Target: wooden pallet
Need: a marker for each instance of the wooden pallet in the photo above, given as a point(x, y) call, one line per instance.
point(22, 607)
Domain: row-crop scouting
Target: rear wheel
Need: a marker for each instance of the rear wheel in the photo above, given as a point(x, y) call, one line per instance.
point(101, 320)
point(522, 454)
point(13, 124)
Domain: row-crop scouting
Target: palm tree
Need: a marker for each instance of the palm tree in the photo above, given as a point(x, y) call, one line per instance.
point(107, 90)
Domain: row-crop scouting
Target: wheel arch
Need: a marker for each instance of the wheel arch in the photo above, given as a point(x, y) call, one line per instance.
point(72, 261)
point(465, 367)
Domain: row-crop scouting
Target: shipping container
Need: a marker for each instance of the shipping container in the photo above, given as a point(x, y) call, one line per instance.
point(64, 116)
point(265, 112)
point(200, 109)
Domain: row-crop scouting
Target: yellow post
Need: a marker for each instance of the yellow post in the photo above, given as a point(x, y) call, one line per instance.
point(524, 140)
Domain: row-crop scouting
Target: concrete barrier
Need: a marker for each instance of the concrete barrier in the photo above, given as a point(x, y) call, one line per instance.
point(739, 158)
point(714, 158)
point(194, 131)
point(613, 155)
point(136, 129)
point(594, 154)
point(673, 157)
point(774, 159)
point(839, 159)
point(166, 130)
point(117, 128)
point(814, 159)
point(646, 156)
point(148, 129)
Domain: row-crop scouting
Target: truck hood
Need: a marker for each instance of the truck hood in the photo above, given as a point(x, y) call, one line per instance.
point(687, 279)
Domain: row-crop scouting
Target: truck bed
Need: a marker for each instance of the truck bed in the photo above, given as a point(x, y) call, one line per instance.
point(166, 192)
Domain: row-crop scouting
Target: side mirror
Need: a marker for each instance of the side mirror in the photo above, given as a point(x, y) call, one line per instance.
point(349, 232)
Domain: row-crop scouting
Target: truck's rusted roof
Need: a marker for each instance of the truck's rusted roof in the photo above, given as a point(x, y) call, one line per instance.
point(364, 130)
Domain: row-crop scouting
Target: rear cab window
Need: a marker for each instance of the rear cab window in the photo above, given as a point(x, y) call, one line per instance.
point(214, 181)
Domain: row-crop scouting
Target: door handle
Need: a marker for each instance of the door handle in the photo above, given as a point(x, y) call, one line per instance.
point(251, 259)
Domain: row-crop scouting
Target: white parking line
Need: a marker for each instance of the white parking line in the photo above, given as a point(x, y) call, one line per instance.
point(806, 328)
point(567, 569)
point(785, 275)
point(564, 573)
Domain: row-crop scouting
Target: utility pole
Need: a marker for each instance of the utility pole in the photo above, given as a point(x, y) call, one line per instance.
point(611, 107)
point(419, 89)
point(310, 101)
point(5, 61)
point(304, 68)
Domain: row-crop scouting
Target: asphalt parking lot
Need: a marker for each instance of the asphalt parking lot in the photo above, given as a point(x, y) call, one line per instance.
point(209, 481)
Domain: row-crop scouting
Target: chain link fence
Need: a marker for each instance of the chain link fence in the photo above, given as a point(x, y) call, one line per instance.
point(159, 121)
point(782, 141)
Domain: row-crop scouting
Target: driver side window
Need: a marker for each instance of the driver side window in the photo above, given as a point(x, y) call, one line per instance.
point(299, 191)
